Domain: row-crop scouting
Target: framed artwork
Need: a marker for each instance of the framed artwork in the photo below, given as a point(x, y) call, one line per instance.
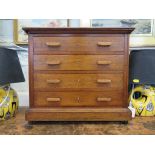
point(143, 35)
point(19, 35)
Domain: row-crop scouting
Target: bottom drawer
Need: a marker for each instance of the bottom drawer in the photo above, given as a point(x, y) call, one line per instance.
point(78, 99)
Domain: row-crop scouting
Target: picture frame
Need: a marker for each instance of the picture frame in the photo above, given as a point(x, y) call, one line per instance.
point(19, 35)
point(143, 36)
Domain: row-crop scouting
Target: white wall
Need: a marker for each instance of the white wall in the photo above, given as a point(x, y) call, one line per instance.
point(6, 30)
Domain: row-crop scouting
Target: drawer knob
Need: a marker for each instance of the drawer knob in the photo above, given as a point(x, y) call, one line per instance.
point(54, 99)
point(103, 81)
point(101, 62)
point(56, 62)
point(53, 44)
point(104, 44)
point(103, 99)
point(54, 81)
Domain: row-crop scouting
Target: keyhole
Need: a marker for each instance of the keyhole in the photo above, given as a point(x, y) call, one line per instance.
point(77, 83)
point(78, 99)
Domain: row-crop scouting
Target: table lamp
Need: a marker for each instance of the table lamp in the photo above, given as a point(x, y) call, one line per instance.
point(10, 72)
point(142, 81)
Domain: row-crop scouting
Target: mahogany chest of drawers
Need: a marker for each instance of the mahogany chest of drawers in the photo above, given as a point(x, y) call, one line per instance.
point(78, 74)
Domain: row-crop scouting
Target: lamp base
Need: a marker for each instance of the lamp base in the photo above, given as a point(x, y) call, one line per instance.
point(8, 102)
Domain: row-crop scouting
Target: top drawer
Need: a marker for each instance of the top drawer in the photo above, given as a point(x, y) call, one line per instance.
point(79, 44)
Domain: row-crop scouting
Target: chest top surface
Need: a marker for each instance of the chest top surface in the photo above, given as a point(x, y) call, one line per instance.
point(43, 30)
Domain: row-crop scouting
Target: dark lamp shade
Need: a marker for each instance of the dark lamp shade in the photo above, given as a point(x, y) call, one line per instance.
point(10, 68)
point(142, 66)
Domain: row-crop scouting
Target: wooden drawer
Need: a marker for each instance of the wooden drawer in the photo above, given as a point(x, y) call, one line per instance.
point(99, 82)
point(79, 62)
point(78, 99)
point(76, 44)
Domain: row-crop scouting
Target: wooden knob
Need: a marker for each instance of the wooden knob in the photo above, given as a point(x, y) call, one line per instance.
point(103, 62)
point(55, 99)
point(53, 81)
point(54, 62)
point(103, 81)
point(53, 44)
point(103, 99)
point(104, 44)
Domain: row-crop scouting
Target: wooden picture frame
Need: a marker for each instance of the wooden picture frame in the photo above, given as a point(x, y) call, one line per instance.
point(20, 37)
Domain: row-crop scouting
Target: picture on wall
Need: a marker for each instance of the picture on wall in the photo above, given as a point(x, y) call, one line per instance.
point(142, 26)
point(21, 38)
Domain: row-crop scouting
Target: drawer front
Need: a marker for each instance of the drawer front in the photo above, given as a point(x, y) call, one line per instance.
point(79, 62)
point(48, 82)
point(70, 45)
point(78, 99)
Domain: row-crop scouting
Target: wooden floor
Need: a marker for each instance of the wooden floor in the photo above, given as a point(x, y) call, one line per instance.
point(18, 126)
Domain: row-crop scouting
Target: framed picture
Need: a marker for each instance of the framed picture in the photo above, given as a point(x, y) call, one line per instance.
point(19, 35)
point(142, 26)
point(143, 35)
